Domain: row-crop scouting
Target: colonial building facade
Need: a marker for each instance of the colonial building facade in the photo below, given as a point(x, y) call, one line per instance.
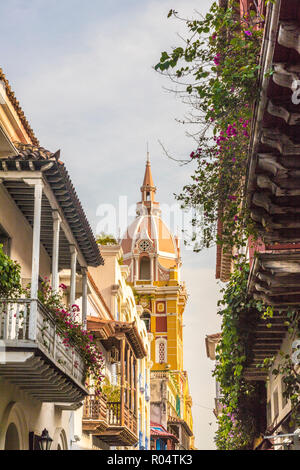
point(46, 396)
point(44, 229)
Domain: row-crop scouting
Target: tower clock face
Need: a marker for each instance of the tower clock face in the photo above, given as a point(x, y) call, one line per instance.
point(145, 245)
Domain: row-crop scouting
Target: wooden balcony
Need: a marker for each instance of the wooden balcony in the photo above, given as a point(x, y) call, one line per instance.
point(110, 421)
point(95, 412)
point(33, 357)
point(122, 425)
point(121, 415)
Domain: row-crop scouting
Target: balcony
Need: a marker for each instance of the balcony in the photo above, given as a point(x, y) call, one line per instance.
point(122, 425)
point(121, 415)
point(109, 421)
point(33, 357)
point(95, 411)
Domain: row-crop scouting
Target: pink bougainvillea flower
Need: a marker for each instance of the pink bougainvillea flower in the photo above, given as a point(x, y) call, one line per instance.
point(62, 286)
point(217, 59)
point(75, 308)
point(248, 33)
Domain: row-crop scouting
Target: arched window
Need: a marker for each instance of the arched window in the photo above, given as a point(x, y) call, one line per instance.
point(145, 268)
point(161, 351)
point(147, 319)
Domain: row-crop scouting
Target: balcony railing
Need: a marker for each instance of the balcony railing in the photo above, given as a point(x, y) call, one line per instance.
point(121, 424)
point(130, 420)
point(114, 413)
point(95, 408)
point(94, 418)
point(27, 326)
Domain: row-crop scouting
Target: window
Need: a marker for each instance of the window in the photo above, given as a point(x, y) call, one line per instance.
point(145, 269)
point(145, 245)
point(146, 317)
point(161, 350)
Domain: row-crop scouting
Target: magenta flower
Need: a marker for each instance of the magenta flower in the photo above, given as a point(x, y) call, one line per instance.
point(217, 59)
point(248, 33)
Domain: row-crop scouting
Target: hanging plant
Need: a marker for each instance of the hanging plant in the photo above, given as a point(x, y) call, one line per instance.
point(71, 331)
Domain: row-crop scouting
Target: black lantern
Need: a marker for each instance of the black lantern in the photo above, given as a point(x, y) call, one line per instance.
point(45, 440)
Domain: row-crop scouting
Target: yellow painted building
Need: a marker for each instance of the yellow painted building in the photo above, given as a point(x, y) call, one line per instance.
point(152, 254)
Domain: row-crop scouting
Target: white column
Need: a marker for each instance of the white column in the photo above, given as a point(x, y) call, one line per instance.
point(84, 297)
point(73, 274)
point(38, 192)
point(55, 250)
point(151, 268)
point(136, 269)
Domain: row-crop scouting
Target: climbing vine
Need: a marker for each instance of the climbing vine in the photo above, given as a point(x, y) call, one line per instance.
point(243, 402)
point(216, 70)
point(238, 423)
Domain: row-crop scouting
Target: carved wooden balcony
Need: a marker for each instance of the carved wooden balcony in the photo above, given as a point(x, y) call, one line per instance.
point(95, 412)
point(33, 357)
point(122, 426)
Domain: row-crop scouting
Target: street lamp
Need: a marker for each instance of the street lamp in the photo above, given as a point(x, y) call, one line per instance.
point(45, 440)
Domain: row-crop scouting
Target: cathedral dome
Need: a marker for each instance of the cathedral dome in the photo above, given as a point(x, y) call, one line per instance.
point(149, 236)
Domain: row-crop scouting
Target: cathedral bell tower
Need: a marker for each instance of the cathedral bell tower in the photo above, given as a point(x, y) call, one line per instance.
point(152, 253)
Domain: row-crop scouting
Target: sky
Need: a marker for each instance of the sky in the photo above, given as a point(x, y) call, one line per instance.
point(83, 73)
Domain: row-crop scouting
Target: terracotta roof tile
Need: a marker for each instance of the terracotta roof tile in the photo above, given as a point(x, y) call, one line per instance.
point(29, 153)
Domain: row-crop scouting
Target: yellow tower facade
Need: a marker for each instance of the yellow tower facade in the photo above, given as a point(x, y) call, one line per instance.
point(152, 254)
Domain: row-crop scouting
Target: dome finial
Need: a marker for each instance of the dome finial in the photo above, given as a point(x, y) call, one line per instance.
point(148, 189)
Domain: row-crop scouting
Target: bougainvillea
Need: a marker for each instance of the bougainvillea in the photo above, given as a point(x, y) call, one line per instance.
point(72, 333)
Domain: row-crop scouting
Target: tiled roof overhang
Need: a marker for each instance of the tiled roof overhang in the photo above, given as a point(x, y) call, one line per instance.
point(31, 158)
point(180, 422)
point(107, 330)
point(275, 278)
point(273, 173)
point(158, 431)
